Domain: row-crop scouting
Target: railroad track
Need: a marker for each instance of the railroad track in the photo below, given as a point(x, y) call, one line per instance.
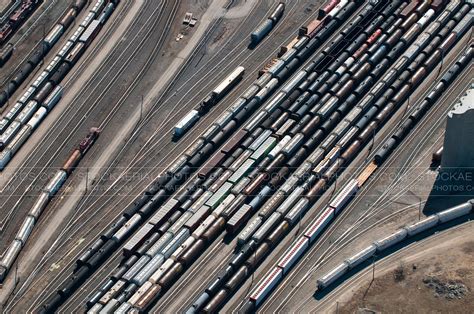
point(25, 58)
point(217, 244)
point(117, 255)
point(331, 298)
point(225, 294)
point(68, 110)
point(155, 22)
point(338, 244)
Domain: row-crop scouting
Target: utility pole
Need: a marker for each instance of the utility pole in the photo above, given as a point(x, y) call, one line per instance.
point(373, 268)
point(419, 210)
point(141, 108)
point(87, 179)
point(42, 45)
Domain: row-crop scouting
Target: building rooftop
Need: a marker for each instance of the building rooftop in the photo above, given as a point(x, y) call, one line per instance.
point(465, 103)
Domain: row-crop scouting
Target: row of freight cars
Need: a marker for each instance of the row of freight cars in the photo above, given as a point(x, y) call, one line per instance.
point(275, 226)
point(192, 224)
point(209, 101)
point(151, 200)
point(49, 191)
point(299, 247)
point(44, 93)
point(417, 112)
point(6, 54)
point(390, 241)
point(266, 26)
point(22, 9)
point(36, 57)
point(199, 151)
point(267, 218)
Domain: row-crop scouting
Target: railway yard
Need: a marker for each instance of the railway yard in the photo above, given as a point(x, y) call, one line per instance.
point(234, 155)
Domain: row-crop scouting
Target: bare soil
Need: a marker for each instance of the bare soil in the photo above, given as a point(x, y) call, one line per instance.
point(440, 281)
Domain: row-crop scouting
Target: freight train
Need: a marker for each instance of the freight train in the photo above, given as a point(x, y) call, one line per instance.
point(265, 27)
point(158, 192)
point(210, 100)
point(40, 52)
point(48, 192)
point(282, 216)
point(45, 92)
point(391, 240)
point(165, 235)
point(217, 199)
point(22, 9)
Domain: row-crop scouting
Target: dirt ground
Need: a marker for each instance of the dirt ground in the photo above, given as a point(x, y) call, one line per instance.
point(439, 279)
point(4, 4)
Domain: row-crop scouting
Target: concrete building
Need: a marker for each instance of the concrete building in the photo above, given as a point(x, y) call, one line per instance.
point(458, 152)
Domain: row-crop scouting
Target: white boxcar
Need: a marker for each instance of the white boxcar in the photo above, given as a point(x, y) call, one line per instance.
point(338, 8)
point(293, 254)
point(332, 276)
point(297, 211)
point(293, 144)
point(10, 255)
point(316, 227)
point(266, 285)
point(229, 81)
point(278, 148)
point(110, 307)
point(422, 225)
point(391, 240)
point(455, 212)
point(344, 195)
point(55, 183)
point(39, 205)
point(361, 256)
point(265, 229)
point(161, 271)
point(292, 83)
point(54, 34)
point(186, 122)
point(275, 102)
point(127, 227)
point(263, 80)
point(223, 205)
point(267, 90)
point(95, 309)
point(284, 207)
point(25, 229)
